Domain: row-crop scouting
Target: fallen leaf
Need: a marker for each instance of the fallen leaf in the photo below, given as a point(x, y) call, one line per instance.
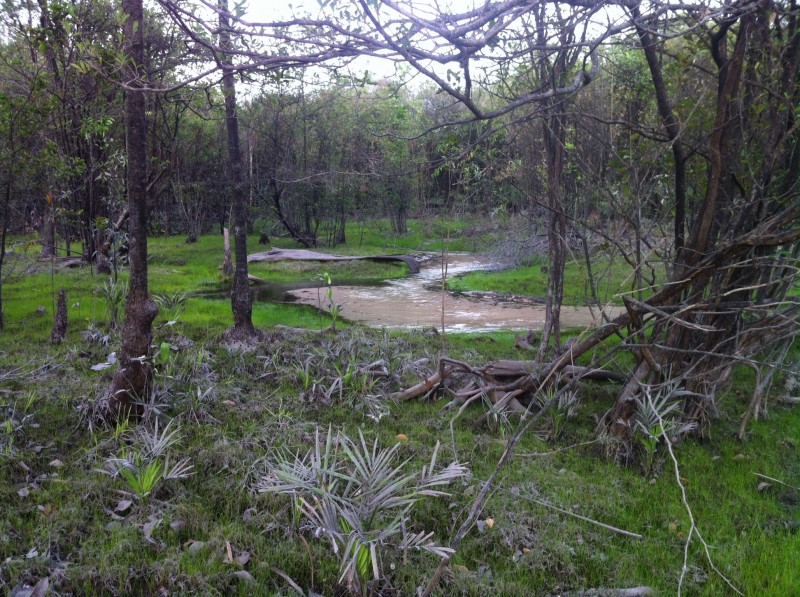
point(248, 515)
point(149, 527)
point(48, 509)
point(681, 534)
point(100, 366)
point(244, 575)
point(56, 463)
point(40, 588)
point(23, 492)
point(229, 402)
point(490, 522)
point(195, 546)
point(764, 485)
point(123, 505)
point(32, 553)
point(243, 558)
point(229, 551)
point(739, 457)
point(526, 550)
point(401, 437)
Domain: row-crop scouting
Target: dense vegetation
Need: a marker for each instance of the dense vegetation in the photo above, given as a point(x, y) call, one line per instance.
point(643, 156)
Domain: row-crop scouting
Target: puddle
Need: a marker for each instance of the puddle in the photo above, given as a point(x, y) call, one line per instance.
point(415, 301)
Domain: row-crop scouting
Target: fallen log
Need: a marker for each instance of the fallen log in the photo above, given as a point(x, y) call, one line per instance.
point(506, 383)
point(306, 255)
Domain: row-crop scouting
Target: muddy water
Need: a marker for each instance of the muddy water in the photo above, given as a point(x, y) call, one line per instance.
point(417, 300)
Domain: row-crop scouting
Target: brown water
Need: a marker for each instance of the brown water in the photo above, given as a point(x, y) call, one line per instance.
point(417, 301)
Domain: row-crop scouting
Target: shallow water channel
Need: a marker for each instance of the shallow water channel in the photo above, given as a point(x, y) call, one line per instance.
point(417, 301)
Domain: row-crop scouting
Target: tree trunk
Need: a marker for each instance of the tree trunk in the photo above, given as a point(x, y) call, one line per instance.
point(241, 296)
point(60, 322)
point(3, 235)
point(132, 380)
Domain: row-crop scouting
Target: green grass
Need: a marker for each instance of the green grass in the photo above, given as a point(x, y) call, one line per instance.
point(252, 405)
point(612, 278)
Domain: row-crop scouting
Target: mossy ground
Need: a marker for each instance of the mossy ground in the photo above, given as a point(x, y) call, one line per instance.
point(236, 410)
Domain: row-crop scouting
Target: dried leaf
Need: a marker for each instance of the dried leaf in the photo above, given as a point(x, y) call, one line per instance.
point(47, 509)
point(248, 515)
point(243, 558)
point(229, 552)
point(123, 505)
point(177, 524)
point(41, 588)
point(56, 463)
point(401, 437)
point(490, 522)
point(244, 575)
point(764, 485)
point(229, 402)
point(100, 366)
point(195, 546)
point(149, 527)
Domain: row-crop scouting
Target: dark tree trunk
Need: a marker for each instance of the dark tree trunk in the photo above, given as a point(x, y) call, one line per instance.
point(132, 380)
point(49, 230)
point(59, 331)
point(3, 234)
point(241, 296)
point(672, 128)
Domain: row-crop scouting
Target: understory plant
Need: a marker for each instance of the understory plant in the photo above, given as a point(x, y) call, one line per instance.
point(359, 497)
point(114, 294)
point(145, 463)
point(655, 417)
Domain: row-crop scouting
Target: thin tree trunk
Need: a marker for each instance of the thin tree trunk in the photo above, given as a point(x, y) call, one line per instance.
point(241, 296)
point(672, 128)
point(132, 380)
point(3, 235)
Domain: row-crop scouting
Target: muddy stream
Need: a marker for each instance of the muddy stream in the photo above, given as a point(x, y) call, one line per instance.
point(417, 301)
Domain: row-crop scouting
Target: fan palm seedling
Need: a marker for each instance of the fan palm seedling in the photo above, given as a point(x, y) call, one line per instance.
point(146, 463)
point(359, 498)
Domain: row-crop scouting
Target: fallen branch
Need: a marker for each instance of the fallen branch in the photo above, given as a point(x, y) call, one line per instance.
point(603, 525)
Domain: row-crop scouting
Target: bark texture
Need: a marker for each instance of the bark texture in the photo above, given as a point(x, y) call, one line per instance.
point(59, 331)
point(132, 381)
point(241, 296)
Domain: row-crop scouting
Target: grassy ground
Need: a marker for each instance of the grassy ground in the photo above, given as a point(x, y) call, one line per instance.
point(612, 278)
point(237, 412)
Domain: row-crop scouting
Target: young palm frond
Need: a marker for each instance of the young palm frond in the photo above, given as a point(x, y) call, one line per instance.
point(359, 497)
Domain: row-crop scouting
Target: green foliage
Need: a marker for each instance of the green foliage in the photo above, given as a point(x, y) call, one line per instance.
point(360, 499)
point(146, 463)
